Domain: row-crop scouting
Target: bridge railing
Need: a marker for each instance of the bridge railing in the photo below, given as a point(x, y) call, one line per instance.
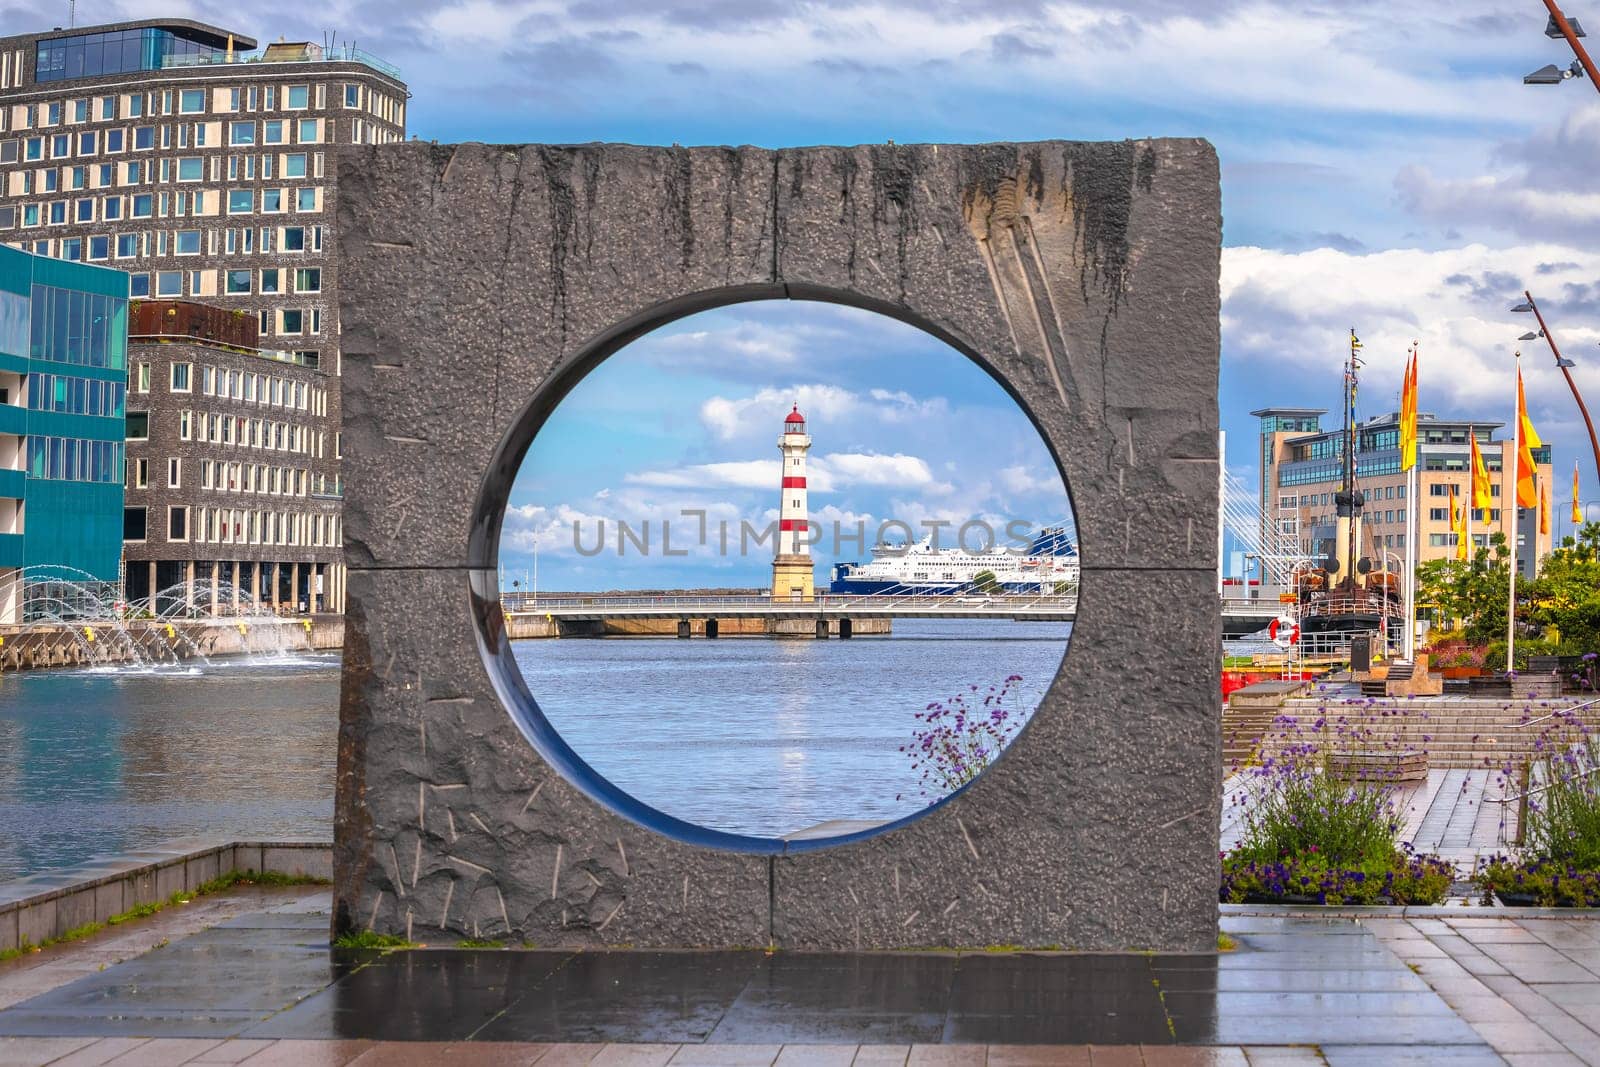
point(825, 603)
point(525, 603)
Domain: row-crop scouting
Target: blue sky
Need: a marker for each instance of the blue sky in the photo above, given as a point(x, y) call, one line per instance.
point(1383, 165)
point(686, 420)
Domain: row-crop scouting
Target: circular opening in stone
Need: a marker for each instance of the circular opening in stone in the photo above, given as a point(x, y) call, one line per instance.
point(783, 573)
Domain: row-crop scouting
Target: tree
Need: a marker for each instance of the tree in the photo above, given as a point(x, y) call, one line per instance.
point(1472, 594)
point(986, 583)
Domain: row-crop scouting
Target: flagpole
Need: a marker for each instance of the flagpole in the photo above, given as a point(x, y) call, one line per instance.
point(1411, 566)
point(1516, 445)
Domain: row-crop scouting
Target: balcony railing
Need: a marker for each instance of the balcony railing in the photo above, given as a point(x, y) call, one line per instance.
point(342, 54)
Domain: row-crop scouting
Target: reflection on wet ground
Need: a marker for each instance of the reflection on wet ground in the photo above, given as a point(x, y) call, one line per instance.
point(271, 975)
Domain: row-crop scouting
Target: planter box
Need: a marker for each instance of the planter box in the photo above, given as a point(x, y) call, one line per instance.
point(1463, 672)
point(1410, 765)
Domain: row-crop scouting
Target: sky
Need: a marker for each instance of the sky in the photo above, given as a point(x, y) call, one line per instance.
point(1383, 166)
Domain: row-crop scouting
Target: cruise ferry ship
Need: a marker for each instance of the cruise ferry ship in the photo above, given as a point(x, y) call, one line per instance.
point(1050, 563)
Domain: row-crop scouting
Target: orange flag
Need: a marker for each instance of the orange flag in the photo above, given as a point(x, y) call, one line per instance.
point(1408, 416)
point(1577, 508)
point(1544, 509)
point(1527, 441)
point(1480, 476)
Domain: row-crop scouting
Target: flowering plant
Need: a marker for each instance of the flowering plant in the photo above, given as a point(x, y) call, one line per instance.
point(957, 738)
point(1542, 882)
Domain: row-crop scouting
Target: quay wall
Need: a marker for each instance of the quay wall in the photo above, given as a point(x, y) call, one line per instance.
point(47, 905)
point(36, 647)
point(521, 626)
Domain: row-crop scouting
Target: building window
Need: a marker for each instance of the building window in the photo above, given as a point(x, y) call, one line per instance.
point(291, 321)
point(294, 165)
point(169, 283)
point(269, 280)
point(177, 523)
point(308, 131)
point(305, 199)
point(143, 206)
point(174, 473)
point(186, 243)
point(138, 423)
point(139, 285)
point(134, 523)
point(191, 168)
point(298, 97)
point(271, 201)
point(180, 377)
point(191, 101)
point(238, 281)
point(99, 248)
point(308, 280)
point(86, 143)
point(294, 239)
point(241, 201)
point(241, 133)
point(352, 95)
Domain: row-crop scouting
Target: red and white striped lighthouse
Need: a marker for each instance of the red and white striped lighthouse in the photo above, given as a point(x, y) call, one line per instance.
point(791, 569)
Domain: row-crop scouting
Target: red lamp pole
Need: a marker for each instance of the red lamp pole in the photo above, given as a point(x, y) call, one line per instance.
point(1594, 442)
point(1583, 55)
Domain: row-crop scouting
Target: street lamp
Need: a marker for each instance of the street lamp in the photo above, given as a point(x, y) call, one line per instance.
point(1550, 74)
point(1565, 366)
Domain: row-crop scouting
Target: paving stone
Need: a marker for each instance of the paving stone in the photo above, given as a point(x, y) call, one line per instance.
point(819, 1056)
point(31, 1051)
point(634, 1056)
point(726, 1055)
point(308, 1054)
point(1519, 1036)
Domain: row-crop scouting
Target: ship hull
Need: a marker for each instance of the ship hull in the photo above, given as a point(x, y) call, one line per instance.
point(870, 587)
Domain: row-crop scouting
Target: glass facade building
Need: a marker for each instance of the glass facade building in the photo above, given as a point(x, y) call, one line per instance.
point(89, 55)
point(63, 387)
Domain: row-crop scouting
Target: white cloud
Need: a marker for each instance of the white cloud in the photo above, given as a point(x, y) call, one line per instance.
point(863, 468)
point(1021, 480)
point(1293, 311)
point(763, 412)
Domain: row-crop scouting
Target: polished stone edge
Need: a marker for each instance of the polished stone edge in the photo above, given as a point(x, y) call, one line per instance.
point(1409, 911)
point(48, 905)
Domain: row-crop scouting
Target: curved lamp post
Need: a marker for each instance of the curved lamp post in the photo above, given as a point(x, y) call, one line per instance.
point(1565, 366)
point(1550, 74)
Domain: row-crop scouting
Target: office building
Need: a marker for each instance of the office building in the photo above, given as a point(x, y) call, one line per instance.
point(205, 167)
point(1302, 469)
point(63, 374)
point(233, 478)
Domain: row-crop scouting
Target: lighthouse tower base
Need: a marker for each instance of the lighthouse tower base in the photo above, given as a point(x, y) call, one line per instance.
point(791, 578)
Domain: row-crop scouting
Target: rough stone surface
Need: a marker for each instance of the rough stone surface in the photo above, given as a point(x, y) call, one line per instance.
point(482, 282)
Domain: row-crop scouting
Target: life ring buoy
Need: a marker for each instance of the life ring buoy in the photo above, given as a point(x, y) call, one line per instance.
point(1283, 631)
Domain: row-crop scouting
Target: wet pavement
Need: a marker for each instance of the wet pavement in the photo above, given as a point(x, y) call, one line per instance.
point(251, 979)
point(263, 983)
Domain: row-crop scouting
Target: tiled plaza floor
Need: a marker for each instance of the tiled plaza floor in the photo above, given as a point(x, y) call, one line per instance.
point(261, 987)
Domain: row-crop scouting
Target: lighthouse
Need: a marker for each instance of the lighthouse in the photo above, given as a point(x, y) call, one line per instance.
point(791, 570)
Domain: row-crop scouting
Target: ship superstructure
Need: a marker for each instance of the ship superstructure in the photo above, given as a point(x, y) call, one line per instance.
point(1048, 565)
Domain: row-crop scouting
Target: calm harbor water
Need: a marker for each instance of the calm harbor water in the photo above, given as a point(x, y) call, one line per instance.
point(768, 737)
point(749, 735)
point(109, 760)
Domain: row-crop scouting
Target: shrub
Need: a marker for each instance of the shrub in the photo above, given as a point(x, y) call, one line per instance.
point(1398, 878)
point(1313, 837)
point(1541, 882)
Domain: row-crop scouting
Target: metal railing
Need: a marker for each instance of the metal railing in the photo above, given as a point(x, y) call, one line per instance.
point(1041, 605)
point(338, 54)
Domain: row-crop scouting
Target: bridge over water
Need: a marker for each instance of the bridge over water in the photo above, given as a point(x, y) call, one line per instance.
point(575, 615)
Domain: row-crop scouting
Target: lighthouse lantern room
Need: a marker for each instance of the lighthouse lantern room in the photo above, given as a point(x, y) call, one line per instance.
point(792, 569)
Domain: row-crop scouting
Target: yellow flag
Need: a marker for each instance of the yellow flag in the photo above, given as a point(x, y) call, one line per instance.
point(1577, 508)
point(1544, 510)
point(1458, 526)
point(1480, 477)
point(1527, 441)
